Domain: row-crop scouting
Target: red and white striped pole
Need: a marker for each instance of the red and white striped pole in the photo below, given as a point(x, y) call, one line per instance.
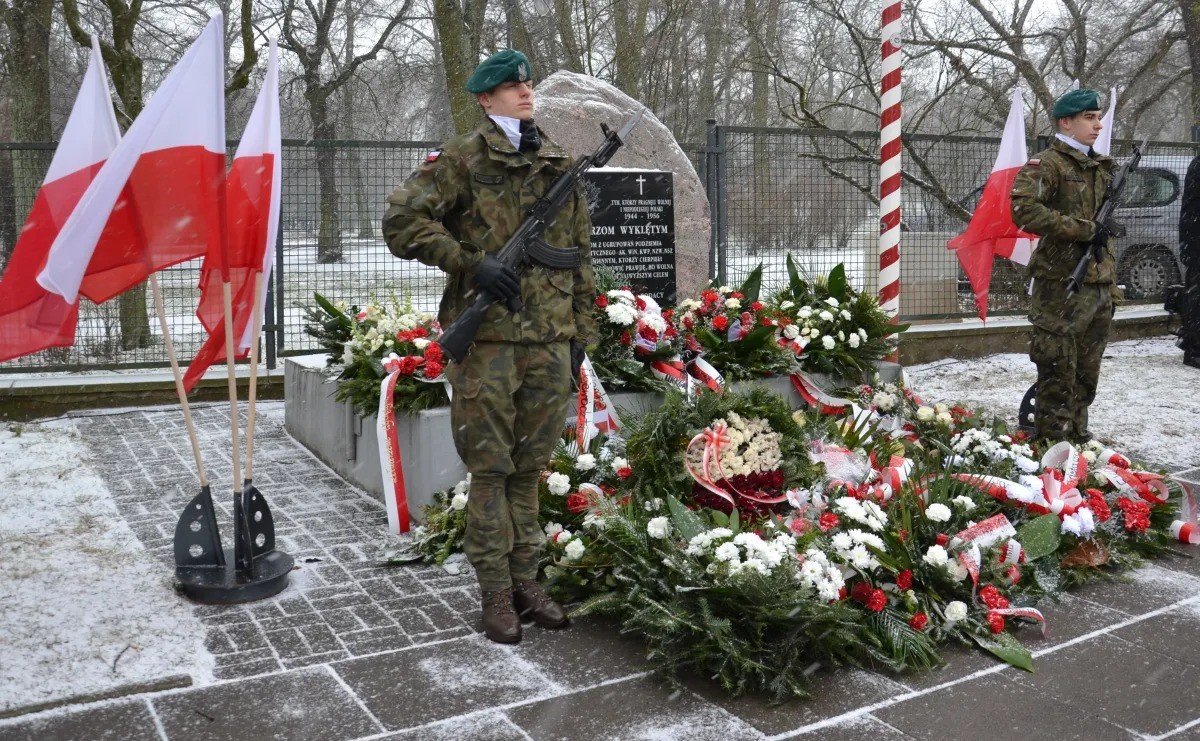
point(889, 165)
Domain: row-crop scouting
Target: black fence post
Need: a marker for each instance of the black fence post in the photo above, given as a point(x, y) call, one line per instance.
point(720, 210)
point(710, 191)
point(279, 294)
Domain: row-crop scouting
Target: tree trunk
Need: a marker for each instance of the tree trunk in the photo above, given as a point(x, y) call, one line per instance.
point(329, 238)
point(1190, 11)
point(630, 21)
point(451, 28)
point(572, 58)
point(8, 205)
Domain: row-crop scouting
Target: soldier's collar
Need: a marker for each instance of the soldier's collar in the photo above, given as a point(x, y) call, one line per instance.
point(1084, 160)
point(500, 148)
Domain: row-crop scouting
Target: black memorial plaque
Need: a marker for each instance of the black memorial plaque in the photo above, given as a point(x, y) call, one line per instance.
point(633, 227)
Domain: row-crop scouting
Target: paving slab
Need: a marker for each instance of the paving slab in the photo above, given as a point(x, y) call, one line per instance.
point(641, 708)
point(124, 721)
point(591, 651)
point(862, 728)
point(995, 707)
point(833, 692)
point(1170, 634)
point(1123, 683)
point(432, 683)
point(297, 706)
point(483, 727)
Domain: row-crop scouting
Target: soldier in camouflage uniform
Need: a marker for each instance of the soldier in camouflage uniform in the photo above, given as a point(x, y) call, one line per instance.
point(1056, 195)
point(512, 392)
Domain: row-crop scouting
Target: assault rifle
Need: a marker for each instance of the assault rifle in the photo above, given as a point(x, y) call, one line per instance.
point(526, 244)
point(1112, 197)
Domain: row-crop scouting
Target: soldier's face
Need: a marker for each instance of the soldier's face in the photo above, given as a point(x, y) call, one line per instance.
point(512, 99)
point(1082, 127)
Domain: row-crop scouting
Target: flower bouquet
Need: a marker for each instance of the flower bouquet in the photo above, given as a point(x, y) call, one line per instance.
point(367, 343)
point(635, 334)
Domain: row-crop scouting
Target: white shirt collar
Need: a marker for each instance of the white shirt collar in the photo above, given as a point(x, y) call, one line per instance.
point(511, 128)
point(1074, 144)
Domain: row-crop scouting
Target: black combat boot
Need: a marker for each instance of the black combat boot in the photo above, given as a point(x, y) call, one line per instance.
point(500, 621)
point(532, 602)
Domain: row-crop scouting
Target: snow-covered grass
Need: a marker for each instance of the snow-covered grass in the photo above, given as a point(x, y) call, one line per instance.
point(1146, 405)
point(83, 607)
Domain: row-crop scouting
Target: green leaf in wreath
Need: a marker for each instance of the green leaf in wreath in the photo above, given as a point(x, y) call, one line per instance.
point(837, 282)
point(687, 522)
point(735, 521)
point(798, 286)
point(327, 306)
point(1007, 649)
point(752, 286)
point(1040, 536)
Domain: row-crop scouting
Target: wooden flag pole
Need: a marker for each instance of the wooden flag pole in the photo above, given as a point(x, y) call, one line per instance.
point(227, 298)
point(183, 400)
point(256, 323)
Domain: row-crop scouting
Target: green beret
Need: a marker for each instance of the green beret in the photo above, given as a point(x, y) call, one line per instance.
point(503, 66)
point(1075, 101)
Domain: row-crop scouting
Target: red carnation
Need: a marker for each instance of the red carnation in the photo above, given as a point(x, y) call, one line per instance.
point(720, 322)
point(995, 622)
point(626, 338)
point(433, 368)
point(688, 322)
point(624, 472)
point(1137, 514)
point(918, 621)
point(798, 525)
point(668, 314)
point(904, 580)
point(577, 502)
point(420, 332)
point(671, 333)
point(640, 303)
point(745, 317)
point(1098, 505)
point(827, 521)
point(737, 295)
point(409, 364)
point(765, 321)
point(860, 592)
point(756, 306)
point(877, 601)
point(990, 596)
point(942, 539)
point(433, 353)
point(647, 332)
point(602, 301)
point(710, 296)
point(902, 535)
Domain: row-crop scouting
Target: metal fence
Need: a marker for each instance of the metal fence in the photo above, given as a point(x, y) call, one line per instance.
point(773, 191)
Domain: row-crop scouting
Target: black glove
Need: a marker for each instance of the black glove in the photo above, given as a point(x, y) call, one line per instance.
point(1102, 233)
point(497, 279)
point(577, 352)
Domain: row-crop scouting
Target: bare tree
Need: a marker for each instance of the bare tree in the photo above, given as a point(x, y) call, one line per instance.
point(460, 31)
point(317, 52)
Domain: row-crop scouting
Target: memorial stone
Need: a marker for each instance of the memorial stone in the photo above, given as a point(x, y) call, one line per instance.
point(633, 228)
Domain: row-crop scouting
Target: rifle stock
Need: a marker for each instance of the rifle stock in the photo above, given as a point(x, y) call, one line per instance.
point(1103, 216)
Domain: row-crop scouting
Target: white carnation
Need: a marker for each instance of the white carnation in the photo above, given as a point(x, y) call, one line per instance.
point(944, 419)
point(552, 530)
point(574, 550)
point(585, 462)
point(845, 314)
point(658, 527)
point(825, 316)
point(791, 331)
point(955, 611)
point(559, 484)
point(936, 556)
point(732, 303)
point(832, 302)
point(925, 414)
point(459, 502)
point(855, 341)
point(965, 503)
point(828, 342)
point(786, 305)
point(619, 463)
point(938, 512)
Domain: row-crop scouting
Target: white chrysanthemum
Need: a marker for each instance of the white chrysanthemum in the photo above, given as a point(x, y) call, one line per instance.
point(955, 611)
point(658, 527)
point(727, 552)
point(558, 483)
point(842, 542)
point(619, 462)
point(938, 512)
point(458, 502)
point(936, 556)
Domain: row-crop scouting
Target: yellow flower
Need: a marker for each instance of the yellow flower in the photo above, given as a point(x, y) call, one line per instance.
point(799, 418)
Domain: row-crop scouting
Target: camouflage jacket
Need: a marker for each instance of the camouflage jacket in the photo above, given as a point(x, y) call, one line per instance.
point(1055, 196)
point(467, 201)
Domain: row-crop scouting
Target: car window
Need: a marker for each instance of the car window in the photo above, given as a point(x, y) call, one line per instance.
point(1151, 187)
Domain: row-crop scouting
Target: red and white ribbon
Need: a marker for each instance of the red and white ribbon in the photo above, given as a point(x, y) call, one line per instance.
point(1028, 613)
point(817, 397)
point(672, 371)
point(1066, 458)
point(979, 537)
point(594, 412)
point(395, 495)
point(1187, 529)
point(713, 440)
point(1147, 486)
point(702, 371)
point(1012, 552)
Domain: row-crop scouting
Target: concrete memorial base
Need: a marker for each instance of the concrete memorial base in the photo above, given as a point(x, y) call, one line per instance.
point(346, 441)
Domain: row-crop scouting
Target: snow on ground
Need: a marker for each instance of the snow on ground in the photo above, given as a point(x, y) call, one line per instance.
point(1146, 405)
point(83, 606)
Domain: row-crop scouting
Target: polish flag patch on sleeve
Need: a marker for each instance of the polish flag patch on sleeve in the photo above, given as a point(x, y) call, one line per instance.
point(432, 156)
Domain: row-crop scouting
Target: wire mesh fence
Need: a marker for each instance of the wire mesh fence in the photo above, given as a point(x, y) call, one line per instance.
point(774, 191)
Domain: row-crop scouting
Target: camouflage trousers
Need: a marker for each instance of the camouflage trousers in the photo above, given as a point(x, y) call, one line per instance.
point(510, 401)
point(1069, 336)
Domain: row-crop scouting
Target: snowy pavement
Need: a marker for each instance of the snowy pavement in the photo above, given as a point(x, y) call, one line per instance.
point(354, 650)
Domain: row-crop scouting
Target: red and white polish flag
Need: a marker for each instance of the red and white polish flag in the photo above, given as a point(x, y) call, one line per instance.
point(253, 188)
point(991, 232)
point(32, 318)
point(159, 198)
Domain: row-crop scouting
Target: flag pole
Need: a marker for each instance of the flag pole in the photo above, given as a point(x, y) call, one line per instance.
point(179, 390)
point(256, 325)
point(227, 299)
